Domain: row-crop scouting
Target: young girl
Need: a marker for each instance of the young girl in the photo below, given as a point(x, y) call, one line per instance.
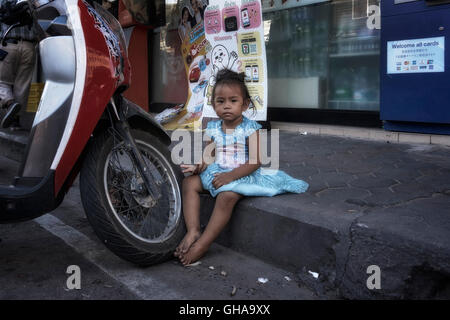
point(235, 172)
point(184, 28)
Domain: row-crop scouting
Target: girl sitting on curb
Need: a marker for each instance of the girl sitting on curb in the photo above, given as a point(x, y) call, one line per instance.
point(235, 172)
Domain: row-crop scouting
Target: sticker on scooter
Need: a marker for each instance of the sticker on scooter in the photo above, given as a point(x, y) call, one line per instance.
point(111, 39)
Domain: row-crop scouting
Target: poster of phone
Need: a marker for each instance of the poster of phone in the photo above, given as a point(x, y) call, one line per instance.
point(235, 32)
point(215, 35)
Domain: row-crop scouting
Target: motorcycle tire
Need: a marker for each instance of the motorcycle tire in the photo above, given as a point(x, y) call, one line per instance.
point(124, 216)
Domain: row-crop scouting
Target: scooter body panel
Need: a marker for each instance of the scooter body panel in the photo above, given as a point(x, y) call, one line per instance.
point(101, 67)
point(106, 68)
point(59, 66)
point(125, 173)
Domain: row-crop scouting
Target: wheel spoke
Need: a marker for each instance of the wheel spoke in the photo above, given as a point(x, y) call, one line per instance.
point(129, 209)
point(130, 204)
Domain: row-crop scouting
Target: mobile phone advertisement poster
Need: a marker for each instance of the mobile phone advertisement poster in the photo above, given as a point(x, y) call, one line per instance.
point(194, 48)
point(223, 34)
point(235, 32)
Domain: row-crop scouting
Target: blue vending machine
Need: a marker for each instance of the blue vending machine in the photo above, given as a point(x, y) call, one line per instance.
point(415, 65)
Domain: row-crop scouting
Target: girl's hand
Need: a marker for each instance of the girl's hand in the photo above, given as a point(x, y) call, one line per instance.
point(192, 168)
point(222, 179)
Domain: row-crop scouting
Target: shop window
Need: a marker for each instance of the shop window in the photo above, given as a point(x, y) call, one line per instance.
point(324, 56)
point(168, 80)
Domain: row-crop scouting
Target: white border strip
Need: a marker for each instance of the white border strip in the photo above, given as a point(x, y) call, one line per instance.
point(80, 67)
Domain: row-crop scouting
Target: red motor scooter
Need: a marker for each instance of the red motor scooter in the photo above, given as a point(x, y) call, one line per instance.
point(130, 189)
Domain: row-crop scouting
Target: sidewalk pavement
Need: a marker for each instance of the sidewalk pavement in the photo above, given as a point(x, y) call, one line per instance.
point(369, 203)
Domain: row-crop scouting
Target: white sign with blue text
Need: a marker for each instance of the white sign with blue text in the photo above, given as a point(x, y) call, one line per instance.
point(416, 55)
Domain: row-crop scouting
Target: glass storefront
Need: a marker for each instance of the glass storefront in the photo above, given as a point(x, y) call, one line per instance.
point(322, 56)
point(168, 79)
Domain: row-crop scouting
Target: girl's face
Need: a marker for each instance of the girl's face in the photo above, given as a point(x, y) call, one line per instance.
point(194, 5)
point(229, 102)
point(185, 15)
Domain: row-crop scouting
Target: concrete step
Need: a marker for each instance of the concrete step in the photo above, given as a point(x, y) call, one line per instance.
point(369, 204)
point(331, 250)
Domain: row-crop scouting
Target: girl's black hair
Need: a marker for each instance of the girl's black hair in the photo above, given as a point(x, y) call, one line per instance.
point(183, 10)
point(229, 77)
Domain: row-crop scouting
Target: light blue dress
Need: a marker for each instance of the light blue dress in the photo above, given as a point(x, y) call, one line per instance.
point(231, 152)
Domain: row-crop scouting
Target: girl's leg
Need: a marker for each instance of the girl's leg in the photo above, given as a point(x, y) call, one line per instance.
point(191, 188)
point(220, 216)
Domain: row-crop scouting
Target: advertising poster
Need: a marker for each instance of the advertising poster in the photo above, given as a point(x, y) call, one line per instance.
point(194, 48)
point(416, 55)
point(234, 29)
point(215, 35)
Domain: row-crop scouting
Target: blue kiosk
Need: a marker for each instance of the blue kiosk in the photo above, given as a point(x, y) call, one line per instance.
point(415, 65)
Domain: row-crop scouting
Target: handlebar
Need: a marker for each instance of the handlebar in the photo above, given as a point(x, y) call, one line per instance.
point(3, 42)
point(15, 14)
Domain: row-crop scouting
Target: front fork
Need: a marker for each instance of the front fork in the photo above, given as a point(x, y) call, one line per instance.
point(149, 174)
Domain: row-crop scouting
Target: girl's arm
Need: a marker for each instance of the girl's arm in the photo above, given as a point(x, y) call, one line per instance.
point(254, 162)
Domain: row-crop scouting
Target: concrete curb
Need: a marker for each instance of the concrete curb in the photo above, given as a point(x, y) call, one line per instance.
point(313, 251)
point(363, 133)
point(369, 203)
point(333, 257)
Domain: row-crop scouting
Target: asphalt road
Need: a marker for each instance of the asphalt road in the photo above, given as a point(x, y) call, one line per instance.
point(35, 257)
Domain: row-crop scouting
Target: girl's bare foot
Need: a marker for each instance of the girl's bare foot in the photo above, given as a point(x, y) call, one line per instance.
point(195, 252)
point(186, 243)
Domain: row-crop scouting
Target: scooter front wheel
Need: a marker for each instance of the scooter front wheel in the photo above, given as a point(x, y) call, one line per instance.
point(138, 226)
